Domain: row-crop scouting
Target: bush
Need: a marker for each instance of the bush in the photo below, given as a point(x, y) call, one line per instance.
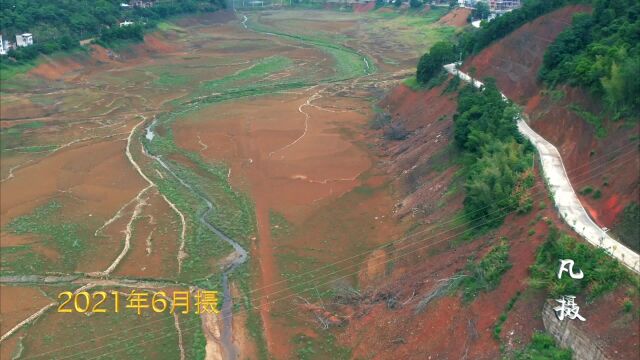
point(395, 132)
point(586, 190)
point(415, 4)
point(626, 227)
point(600, 52)
point(597, 194)
point(497, 156)
point(543, 346)
point(486, 275)
point(380, 120)
point(601, 273)
point(430, 64)
point(130, 32)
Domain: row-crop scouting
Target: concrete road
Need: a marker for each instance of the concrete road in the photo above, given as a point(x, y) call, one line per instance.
point(564, 196)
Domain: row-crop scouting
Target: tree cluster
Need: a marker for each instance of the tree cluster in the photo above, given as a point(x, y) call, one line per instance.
point(496, 156)
point(60, 24)
point(600, 52)
point(430, 64)
point(474, 41)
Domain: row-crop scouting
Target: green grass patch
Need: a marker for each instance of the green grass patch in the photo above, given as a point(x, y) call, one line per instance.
point(323, 347)
point(543, 346)
point(497, 328)
point(171, 79)
point(591, 118)
point(413, 84)
point(626, 227)
point(9, 72)
point(46, 223)
point(168, 26)
point(265, 66)
point(280, 226)
point(602, 273)
point(486, 274)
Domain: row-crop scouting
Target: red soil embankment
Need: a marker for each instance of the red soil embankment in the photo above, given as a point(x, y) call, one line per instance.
point(55, 69)
point(428, 116)
point(608, 163)
point(457, 17)
point(362, 8)
point(422, 261)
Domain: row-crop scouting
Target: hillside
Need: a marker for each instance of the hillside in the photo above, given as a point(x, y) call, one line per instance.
point(415, 309)
point(515, 62)
point(59, 25)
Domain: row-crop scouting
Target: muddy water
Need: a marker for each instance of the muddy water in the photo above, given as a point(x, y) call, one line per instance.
point(241, 255)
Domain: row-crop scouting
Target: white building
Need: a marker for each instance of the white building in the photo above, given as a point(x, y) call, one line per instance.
point(3, 51)
point(126, 23)
point(24, 40)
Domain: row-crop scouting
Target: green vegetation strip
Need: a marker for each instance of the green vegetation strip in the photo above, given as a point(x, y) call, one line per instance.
point(602, 274)
point(50, 228)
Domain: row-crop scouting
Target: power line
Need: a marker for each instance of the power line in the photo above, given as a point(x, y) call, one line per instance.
point(400, 240)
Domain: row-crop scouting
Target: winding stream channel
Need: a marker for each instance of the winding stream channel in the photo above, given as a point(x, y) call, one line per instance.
point(241, 255)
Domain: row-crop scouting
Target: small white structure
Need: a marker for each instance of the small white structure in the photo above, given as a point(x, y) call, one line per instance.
point(24, 40)
point(3, 51)
point(126, 23)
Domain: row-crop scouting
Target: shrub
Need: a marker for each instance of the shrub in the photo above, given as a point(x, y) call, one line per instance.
point(601, 272)
point(543, 346)
point(380, 120)
point(626, 227)
point(586, 190)
point(486, 274)
point(395, 132)
point(597, 194)
point(430, 64)
point(415, 4)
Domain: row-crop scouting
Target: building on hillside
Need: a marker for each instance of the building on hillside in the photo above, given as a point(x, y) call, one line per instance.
point(502, 6)
point(3, 51)
point(126, 23)
point(24, 40)
point(142, 3)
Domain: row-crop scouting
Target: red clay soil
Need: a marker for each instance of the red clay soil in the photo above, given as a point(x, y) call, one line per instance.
point(449, 328)
point(616, 329)
point(362, 8)
point(17, 304)
point(55, 69)
point(514, 62)
point(286, 162)
point(457, 17)
point(428, 115)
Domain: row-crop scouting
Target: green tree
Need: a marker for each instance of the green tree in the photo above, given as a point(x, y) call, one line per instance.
point(481, 10)
point(430, 64)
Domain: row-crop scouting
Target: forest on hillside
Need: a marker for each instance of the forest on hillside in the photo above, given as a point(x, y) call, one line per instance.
point(60, 24)
point(600, 52)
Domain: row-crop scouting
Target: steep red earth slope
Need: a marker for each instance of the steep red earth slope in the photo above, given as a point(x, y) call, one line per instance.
point(514, 62)
point(387, 323)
